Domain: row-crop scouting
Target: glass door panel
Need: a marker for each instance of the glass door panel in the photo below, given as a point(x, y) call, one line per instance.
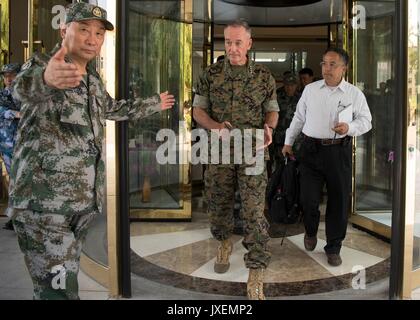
point(374, 73)
point(160, 59)
point(45, 19)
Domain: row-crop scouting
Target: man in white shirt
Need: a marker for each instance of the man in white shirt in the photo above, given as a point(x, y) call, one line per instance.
point(329, 113)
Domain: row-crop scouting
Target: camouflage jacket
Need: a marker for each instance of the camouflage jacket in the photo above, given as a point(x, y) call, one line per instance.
point(58, 164)
point(242, 99)
point(9, 107)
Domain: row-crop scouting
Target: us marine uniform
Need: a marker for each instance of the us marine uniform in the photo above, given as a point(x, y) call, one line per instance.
point(57, 175)
point(241, 95)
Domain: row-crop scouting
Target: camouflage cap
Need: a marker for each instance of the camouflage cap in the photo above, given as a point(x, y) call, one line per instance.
point(82, 11)
point(10, 68)
point(290, 79)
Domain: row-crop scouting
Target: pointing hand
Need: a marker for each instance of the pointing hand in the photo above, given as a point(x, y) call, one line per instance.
point(62, 75)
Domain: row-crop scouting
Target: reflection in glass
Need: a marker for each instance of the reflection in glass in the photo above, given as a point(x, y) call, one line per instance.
point(159, 61)
point(374, 74)
point(45, 37)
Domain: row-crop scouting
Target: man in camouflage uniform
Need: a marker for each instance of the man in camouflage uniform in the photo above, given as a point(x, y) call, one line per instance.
point(236, 93)
point(57, 175)
point(9, 113)
point(9, 119)
point(287, 101)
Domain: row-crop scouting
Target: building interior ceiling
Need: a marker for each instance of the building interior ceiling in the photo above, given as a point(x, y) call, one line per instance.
point(321, 12)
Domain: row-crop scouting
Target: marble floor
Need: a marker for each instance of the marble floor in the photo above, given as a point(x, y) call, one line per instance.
point(15, 283)
point(183, 255)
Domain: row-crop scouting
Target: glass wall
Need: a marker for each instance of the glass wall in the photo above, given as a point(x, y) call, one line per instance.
point(374, 64)
point(160, 59)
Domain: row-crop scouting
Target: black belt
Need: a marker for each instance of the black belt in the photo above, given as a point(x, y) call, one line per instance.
point(326, 142)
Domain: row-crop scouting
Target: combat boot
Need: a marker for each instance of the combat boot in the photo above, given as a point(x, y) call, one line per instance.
point(224, 251)
point(255, 284)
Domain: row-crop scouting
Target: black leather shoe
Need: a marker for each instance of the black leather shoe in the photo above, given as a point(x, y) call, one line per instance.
point(334, 259)
point(8, 225)
point(310, 242)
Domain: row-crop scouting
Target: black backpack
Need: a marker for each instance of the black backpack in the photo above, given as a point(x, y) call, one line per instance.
point(283, 193)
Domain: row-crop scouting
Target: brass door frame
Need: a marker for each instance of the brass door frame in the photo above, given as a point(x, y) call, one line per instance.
point(109, 276)
point(30, 43)
point(29, 50)
point(410, 277)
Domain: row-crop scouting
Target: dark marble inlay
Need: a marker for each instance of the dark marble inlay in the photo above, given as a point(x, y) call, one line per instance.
point(148, 270)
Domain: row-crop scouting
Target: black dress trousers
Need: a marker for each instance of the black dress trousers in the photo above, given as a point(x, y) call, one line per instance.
point(330, 164)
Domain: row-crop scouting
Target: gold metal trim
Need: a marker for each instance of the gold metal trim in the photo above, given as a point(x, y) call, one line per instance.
point(371, 225)
point(415, 279)
point(409, 276)
point(184, 213)
point(112, 209)
point(410, 199)
point(346, 24)
point(95, 270)
point(30, 49)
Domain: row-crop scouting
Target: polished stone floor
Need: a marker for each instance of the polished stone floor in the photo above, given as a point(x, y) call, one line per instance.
point(183, 255)
point(15, 283)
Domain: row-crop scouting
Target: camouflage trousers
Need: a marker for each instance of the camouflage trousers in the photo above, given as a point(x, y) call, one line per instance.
point(52, 244)
point(220, 191)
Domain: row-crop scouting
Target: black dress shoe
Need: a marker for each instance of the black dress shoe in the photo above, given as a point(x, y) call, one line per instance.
point(310, 242)
point(334, 259)
point(8, 225)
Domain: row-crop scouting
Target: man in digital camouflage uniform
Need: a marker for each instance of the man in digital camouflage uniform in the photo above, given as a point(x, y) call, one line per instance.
point(236, 93)
point(57, 175)
point(287, 101)
point(9, 119)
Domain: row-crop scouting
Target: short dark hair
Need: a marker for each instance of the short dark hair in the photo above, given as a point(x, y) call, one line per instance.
point(308, 71)
point(341, 52)
point(240, 23)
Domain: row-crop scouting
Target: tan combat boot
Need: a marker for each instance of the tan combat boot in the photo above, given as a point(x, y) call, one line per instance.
point(255, 284)
point(224, 251)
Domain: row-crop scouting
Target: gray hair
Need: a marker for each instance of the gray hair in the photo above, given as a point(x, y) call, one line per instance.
point(240, 23)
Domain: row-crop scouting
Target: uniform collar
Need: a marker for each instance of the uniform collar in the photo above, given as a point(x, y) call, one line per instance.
point(342, 86)
point(250, 66)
